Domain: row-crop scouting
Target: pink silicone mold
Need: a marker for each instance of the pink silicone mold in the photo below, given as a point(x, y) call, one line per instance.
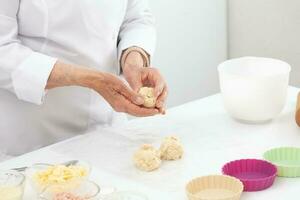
point(255, 174)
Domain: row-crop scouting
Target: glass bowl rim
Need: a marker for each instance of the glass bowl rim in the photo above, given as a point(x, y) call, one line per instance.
point(98, 190)
point(23, 177)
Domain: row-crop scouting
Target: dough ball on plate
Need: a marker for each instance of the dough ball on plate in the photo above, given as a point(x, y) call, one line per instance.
point(171, 148)
point(148, 94)
point(147, 158)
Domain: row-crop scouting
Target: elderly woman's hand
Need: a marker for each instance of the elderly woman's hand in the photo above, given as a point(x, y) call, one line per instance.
point(110, 87)
point(139, 76)
point(121, 97)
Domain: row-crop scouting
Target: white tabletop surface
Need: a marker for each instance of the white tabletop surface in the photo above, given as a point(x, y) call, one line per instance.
point(210, 137)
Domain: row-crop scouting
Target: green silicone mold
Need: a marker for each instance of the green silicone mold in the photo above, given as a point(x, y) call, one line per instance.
point(287, 160)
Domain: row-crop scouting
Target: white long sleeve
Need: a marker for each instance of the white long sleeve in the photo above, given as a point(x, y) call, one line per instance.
point(22, 71)
point(138, 28)
point(79, 32)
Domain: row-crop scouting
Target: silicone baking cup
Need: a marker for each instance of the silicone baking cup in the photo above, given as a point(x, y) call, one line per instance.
point(286, 159)
point(255, 174)
point(218, 187)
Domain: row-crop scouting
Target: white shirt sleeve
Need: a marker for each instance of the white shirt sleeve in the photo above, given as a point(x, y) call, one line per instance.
point(138, 28)
point(22, 71)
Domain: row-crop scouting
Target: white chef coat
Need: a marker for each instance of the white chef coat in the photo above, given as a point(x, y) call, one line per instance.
point(33, 35)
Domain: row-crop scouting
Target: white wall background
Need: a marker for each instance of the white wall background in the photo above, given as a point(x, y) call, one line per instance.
point(268, 28)
point(191, 43)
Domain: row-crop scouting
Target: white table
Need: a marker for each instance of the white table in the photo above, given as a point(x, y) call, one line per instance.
point(211, 138)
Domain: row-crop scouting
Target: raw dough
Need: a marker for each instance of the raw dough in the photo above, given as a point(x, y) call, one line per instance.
point(147, 158)
point(171, 149)
point(148, 95)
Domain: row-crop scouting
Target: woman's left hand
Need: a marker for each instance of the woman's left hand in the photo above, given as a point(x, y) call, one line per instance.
point(138, 76)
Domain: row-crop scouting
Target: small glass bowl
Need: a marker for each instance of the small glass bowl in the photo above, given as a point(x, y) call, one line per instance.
point(87, 190)
point(125, 195)
point(12, 185)
point(38, 188)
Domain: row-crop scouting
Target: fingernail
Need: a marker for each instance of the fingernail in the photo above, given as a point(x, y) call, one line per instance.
point(163, 111)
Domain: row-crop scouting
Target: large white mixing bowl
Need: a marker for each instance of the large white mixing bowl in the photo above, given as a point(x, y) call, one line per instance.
point(254, 89)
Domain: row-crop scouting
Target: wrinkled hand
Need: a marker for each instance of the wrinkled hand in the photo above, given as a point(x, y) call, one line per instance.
point(121, 97)
point(139, 76)
point(110, 87)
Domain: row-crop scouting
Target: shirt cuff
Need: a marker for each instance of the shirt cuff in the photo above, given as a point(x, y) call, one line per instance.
point(142, 52)
point(31, 76)
point(138, 38)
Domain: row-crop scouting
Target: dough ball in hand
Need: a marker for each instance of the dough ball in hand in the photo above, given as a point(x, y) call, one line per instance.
point(147, 158)
point(171, 149)
point(148, 94)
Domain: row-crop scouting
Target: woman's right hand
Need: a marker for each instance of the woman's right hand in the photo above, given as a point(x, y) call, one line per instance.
point(121, 97)
point(110, 87)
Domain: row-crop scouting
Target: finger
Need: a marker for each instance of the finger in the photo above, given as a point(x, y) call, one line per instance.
point(136, 85)
point(142, 112)
point(162, 98)
point(159, 87)
point(139, 111)
point(162, 110)
point(159, 83)
point(152, 77)
point(131, 95)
